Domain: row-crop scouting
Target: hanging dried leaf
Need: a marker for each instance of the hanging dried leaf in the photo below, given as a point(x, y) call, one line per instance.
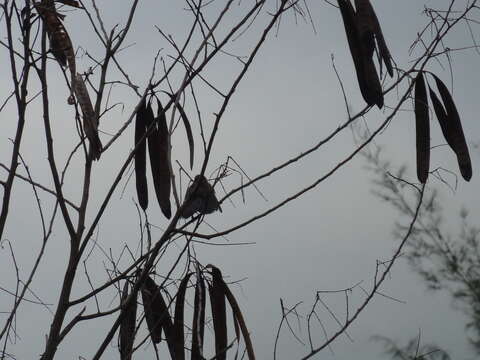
point(159, 163)
point(141, 155)
point(367, 76)
point(188, 128)
point(219, 315)
point(453, 131)
point(198, 325)
point(422, 126)
point(90, 120)
point(156, 312)
point(200, 196)
point(178, 323)
point(127, 327)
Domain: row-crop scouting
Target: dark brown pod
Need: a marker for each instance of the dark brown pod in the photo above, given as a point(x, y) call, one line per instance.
point(159, 164)
point(90, 120)
point(422, 127)
point(200, 196)
point(188, 129)
point(156, 312)
point(141, 156)
point(219, 315)
point(382, 45)
point(198, 325)
point(367, 76)
point(127, 327)
point(178, 324)
point(454, 132)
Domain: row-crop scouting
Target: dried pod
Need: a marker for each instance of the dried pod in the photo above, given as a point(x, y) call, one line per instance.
point(365, 8)
point(60, 43)
point(219, 315)
point(198, 325)
point(90, 120)
point(178, 325)
point(200, 196)
point(127, 327)
point(159, 163)
point(367, 76)
point(453, 132)
point(188, 129)
point(156, 311)
point(422, 126)
point(141, 156)
point(237, 314)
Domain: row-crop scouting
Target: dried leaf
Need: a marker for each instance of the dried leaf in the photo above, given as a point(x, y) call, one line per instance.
point(198, 325)
point(127, 327)
point(90, 120)
point(156, 312)
point(200, 196)
point(141, 155)
point(217, 301)
point(158, 151)
point(453, 131)
point(178, 324)
point(422, 125)
point(188, 129)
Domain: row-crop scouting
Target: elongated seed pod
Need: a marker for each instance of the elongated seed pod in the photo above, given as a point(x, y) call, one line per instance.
point(454, 131)
point(127, 327)
point(365, 26)
point(178, 325)
point(90, 120)
point(156, 311)
point(422, 126)
point(367, 76)
point(219, 315)
point(382, 45)
point(141, 156)
point(198, 325)
point(60, 43)
point(188, 129)
point(158, 151)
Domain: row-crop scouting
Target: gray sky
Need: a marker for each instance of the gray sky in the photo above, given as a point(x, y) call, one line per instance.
point(329, 239)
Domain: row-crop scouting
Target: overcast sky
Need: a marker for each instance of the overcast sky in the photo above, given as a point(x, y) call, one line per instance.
point(329, 239)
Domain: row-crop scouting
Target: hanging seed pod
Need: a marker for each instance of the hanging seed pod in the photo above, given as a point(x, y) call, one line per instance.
point(198, 325)
point(141, 156)
point(219, 315)
point(127, 327)
point(239, 319)
point(60, 43)
point(178, 324)
point(158, 151)
point(367, 76)
point(365, 26)
point(422, 126)
point(200, 196)
point(90, 120)
point(375, 26)
point(188, 129)
point(453, 131)
point(156, 311)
